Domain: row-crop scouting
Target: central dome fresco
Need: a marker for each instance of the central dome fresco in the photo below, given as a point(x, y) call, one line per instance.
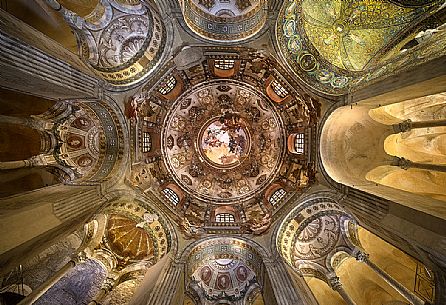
point(223, 141)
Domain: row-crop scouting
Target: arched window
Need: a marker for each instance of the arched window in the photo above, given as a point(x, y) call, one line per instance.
point(277, 196)
point(167, 85)
point(299, 143)
point(224, 64)
point(171, 195)
point(224, 217)
point(279, 89)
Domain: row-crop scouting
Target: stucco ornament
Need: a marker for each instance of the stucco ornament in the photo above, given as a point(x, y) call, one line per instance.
point(121, 40)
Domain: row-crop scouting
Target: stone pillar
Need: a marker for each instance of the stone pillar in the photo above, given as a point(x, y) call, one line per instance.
point(37, 293)
point(406, 293)
point(406, 164)
point(31, 122)
point(166, 287)
point(336, 285)
point(285, 291)
point(32, 221)
point(34, 161)
point(409, 125)
point(33, 63)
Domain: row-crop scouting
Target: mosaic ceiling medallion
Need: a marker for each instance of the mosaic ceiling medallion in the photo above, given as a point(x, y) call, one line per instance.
point(213, 141)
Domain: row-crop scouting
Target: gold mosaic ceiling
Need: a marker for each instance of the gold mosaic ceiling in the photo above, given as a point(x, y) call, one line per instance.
point(349, 34)
point(328, 43)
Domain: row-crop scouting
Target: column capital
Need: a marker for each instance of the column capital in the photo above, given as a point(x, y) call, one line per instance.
point(361, 256)
point(36, 161)
point(108, 284)
point(402, 162)
point(335, 283)
point(404, 126)
point(80, 258)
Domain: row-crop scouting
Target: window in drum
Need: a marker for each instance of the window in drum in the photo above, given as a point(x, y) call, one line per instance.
point(277, 196)
point(171, 195)
point(168, 85)
point(299, 143)
point(279, 89)
point(146, 142)
point(224, 64)
point(224, 217)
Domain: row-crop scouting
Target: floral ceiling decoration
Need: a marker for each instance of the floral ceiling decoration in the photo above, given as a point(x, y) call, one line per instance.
point(210, 139)
point(328, 43)
point(134, 233)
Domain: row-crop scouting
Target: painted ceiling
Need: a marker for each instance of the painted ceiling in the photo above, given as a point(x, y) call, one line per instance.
point(216, 138)
point(237, 134)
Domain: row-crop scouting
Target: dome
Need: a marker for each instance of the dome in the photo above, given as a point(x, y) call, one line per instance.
point(227, 21)
point(121, 40)
point(212, 140)
point(223, 141)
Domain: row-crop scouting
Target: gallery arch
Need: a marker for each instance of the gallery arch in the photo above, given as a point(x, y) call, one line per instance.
point(385, 136)
point(118, 247)
point(225, 21)
point(120, 57)
point(320, 241)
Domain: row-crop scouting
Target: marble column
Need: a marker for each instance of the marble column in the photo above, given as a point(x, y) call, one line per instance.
point(406, 293)
point(336, 285)
point(406, 164)
point(37, 293)
point(166, 287)
point(284, 290)
point(407, 125)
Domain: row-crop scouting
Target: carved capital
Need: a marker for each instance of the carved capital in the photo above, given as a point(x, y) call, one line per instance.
point(404, 126)
point(108, 284)
point(36, 161)
point(335, 283)
point(361, 257)
point(402, 162)
point(80, 258)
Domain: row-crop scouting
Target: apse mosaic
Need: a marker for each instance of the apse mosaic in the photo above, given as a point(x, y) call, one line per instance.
point(87, 142)
point(224, 278)
point(313, 237)
point(329, 42)
point(223, 269)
